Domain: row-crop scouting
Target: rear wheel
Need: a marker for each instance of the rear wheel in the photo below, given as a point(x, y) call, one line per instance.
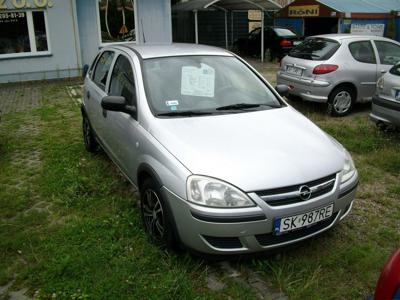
point(155, 215)
point(341, 101)
point(89, 139)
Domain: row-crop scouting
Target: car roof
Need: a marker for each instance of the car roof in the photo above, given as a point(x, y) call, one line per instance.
point(344, 36)
point(175, 49)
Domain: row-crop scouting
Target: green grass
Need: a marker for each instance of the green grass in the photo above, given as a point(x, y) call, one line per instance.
point(70, 227)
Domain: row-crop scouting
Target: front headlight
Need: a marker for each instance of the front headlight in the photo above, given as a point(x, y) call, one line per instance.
point(348, 169)
point(212, 192)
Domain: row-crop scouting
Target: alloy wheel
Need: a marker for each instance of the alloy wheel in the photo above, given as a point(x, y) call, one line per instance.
point(342, 102)
point(153, 214)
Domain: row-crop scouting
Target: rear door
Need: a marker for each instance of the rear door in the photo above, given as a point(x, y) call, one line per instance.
point(388, 55)
point(96, 91)
point(363, 68)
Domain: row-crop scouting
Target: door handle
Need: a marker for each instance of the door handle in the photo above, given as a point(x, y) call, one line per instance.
point(383, 71)
point(88, 94)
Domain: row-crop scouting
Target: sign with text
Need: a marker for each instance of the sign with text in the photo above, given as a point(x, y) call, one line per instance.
point(368, 29)
point(304, 11)
point(21, 4)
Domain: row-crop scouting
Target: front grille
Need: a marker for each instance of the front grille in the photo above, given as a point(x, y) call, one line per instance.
point(223, 242)
point(270, 239)
point(291, 194)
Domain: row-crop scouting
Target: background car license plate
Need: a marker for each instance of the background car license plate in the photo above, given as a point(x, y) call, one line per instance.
point(294, 70)
point(285, 224)
point(397, 95)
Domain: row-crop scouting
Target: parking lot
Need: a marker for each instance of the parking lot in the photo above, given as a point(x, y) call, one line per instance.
point(70, 225)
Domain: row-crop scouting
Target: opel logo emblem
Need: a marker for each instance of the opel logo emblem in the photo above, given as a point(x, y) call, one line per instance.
point(305, 192)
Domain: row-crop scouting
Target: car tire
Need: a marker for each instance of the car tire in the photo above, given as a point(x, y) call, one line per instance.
point(341, 101)
point(156, 216)
point(89, 138)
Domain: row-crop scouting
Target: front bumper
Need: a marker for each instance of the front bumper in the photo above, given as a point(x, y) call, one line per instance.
point(247, 230)
point(386, 111)
point(307, 89)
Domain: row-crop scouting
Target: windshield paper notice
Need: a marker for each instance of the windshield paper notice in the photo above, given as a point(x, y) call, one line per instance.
point(198, 82)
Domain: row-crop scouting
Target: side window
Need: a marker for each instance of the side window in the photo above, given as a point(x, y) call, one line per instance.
point(102, 68)
point(122, 80)
point(93, 65)
point(389, 53)
point(363, 52)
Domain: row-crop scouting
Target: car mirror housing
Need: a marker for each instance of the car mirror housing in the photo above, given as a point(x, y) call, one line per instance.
point(117, 103)
point(282, 89)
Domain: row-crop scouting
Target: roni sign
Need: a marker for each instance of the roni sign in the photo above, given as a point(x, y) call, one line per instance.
point(368, 29)
point(304, 11)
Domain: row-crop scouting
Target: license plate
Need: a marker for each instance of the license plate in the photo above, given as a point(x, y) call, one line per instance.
point(397, 95)
point(295, 43)
point(294, 70)
point(291, 223)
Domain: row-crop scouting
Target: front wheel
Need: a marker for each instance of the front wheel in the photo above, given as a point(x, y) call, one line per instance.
point(155, 215)
point(89, 139)
point(341, 101)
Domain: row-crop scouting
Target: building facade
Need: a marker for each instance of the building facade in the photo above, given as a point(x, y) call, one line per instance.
point(311, 17)
point(51, 39)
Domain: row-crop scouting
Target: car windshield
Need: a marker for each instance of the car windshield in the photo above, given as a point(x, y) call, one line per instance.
point(198, 85)
point(284, 32)
point(315, 49)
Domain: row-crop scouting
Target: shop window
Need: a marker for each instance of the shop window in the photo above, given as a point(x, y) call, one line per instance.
point(363, 52)
point(22, 32)
point(117, 21)
point(389, 53)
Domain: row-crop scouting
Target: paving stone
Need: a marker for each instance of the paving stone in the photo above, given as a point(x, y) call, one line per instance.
point(19, 98)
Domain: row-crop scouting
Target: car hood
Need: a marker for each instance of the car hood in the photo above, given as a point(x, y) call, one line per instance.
point(253, 150)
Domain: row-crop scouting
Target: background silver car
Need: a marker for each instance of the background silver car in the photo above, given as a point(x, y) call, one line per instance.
point(222, 163)
point(386, 102)
point(339, 69)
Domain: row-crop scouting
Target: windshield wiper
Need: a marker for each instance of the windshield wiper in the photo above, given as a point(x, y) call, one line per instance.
point(238, 106)
point(243, 106)
point(186, 113)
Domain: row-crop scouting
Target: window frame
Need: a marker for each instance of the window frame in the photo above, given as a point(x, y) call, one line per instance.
point(106, 86)
point(101, 43)
point(31, 34)
point(117, 55)
point(372, 48)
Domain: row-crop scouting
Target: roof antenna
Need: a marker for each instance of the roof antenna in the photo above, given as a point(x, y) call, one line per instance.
point(144, 37)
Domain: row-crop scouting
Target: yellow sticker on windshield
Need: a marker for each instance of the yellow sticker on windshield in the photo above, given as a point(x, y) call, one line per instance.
point(198, 82)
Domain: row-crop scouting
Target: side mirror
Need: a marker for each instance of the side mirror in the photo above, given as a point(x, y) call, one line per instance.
point(117, 103)
point(282, 89)
point(85, 70)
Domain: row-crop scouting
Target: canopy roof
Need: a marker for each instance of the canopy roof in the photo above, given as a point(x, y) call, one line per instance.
point(362, 6)
point(195, 5)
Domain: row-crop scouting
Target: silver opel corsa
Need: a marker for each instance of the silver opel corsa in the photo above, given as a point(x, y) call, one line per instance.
point(223, 164)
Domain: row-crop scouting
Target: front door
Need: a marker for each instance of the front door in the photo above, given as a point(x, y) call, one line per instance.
point(122, 128)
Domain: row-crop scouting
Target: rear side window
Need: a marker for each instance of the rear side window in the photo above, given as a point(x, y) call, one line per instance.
point(389, 53)
point(315, 49)
point(395, 70)
point(102, 68)
point(284, 32)
point(363, 52)
point(122, 80)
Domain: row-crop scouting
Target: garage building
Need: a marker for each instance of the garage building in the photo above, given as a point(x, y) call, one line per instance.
point(312, 17)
